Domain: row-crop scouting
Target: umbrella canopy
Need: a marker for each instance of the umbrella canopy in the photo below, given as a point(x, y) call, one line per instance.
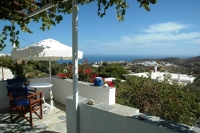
point(47, 49)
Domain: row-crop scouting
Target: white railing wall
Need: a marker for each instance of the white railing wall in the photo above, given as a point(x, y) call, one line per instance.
point(93, 119)
point(3, 95)
point(62, 88)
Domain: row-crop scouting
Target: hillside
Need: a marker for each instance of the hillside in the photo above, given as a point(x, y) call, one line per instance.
point(191, 64)
point(182, 61)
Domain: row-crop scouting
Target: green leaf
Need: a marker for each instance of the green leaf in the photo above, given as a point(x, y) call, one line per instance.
point(54, 15)
point(9, 28)
point(17, 33)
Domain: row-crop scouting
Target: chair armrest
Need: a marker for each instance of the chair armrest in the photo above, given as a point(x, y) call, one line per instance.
point(35, 94)
point(33, 100)
point(30, 92)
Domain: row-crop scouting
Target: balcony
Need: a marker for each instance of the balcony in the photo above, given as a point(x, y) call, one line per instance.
point(104, 116)
point(54, 119)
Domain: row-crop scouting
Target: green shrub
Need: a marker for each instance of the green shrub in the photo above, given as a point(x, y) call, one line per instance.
point(170, 102)
point(112, 70)
point(194, 87)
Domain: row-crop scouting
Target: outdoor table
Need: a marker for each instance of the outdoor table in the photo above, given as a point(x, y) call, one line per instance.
point(46, 86)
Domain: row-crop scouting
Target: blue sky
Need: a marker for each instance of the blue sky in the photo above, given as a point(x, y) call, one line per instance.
point(170, 28)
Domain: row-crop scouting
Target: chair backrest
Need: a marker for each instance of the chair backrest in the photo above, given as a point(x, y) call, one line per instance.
point(16, 87)
point(18, 82)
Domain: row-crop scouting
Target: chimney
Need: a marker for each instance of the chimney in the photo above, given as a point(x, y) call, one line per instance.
point(179, 77)
point(155, 67)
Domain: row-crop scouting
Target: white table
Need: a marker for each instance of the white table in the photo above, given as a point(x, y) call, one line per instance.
point(46, 86)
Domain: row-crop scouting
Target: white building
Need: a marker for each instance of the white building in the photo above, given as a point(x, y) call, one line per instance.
point(175, 77)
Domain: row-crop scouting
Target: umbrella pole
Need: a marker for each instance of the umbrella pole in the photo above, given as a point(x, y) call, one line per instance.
point(51, 94)
point(49, 70)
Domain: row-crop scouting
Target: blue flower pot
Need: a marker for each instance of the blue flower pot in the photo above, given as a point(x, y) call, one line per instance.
point(98, 81)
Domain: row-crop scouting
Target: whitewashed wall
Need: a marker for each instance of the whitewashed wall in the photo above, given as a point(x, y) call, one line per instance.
point(95, 120)
point(64, 87)
point(3, 95)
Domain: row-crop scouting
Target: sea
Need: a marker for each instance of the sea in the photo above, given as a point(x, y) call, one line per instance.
point(118, 58)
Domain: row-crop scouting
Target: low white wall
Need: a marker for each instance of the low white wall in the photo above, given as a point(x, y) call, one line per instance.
point(64, 87)
point(95, 120)
point(4, 101)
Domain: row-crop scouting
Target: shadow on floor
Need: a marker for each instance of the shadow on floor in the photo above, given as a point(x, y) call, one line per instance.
point(54, 121)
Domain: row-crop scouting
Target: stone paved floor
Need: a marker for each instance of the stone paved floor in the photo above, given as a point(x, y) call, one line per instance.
point(54, 121)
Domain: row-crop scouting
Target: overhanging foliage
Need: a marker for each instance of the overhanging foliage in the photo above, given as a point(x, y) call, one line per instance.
point(16, 11)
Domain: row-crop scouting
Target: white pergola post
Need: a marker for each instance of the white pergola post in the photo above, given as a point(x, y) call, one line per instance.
point(75, 62)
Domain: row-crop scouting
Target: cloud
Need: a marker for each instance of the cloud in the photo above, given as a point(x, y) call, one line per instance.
point(155, 37)
point(165, 27)
point(158, 34)
point(195, 41)
point(92, 41)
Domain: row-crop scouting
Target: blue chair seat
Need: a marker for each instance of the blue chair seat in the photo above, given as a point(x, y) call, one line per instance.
point(23, 102)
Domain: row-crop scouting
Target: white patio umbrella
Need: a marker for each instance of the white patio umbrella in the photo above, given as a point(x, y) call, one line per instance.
point(45, 50)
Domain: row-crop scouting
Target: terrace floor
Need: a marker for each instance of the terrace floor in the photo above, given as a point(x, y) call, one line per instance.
point(54, 121)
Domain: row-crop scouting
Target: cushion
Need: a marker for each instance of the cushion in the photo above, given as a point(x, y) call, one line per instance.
point(23, 102)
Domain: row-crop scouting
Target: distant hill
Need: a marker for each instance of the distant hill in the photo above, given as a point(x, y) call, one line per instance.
point(182, 61)
point(173, 60)
point(192, 63)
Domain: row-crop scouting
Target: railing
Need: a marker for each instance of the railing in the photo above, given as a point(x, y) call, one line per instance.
point(103, 118)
